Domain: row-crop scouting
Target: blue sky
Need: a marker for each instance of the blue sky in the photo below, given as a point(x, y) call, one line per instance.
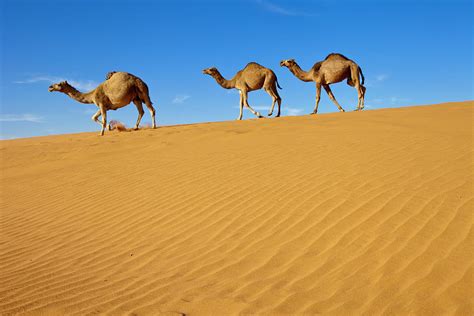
point(411, 52)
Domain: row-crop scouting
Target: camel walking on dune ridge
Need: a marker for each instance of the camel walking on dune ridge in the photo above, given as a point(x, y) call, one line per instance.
point(335, 68)
point(119, 90)
point(252, 77)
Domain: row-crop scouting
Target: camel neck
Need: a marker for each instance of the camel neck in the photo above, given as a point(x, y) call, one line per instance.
point(79, 96)
point(224, 83)
point(301, 74)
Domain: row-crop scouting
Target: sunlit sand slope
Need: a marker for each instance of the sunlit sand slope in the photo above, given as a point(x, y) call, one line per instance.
point(345, 213)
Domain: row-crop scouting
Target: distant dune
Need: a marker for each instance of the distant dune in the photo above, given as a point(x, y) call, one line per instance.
point(346, 213)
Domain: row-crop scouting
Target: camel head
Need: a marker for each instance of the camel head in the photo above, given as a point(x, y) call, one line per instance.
point(61, 86)
point(287, 63)
point(210, 71)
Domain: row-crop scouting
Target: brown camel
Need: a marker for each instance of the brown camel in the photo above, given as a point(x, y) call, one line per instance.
point(335, 68)
point(252, 77)
point(109, 74)
point(117, 91)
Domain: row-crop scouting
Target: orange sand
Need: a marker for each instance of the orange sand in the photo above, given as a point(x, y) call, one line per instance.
point(345, 213)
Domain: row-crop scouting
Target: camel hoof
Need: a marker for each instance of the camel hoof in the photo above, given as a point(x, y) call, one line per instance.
point(312, 113)
point(135, 128)
point(270, 114)
point(278, 115)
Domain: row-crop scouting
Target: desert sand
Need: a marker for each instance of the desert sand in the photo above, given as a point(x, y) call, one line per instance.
point(345, 213)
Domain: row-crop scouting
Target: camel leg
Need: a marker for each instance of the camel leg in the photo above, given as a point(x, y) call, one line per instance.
point(360, 94)
point(331, 96)
point(245, 97)
point(241, 105)
point(273, 102)
point(275, 92)
point(152, 111)
point(144, 97)
point(318, 97)
point(95, 117)
point(361, 103)
point(351, 83)
point(139, 106)
point(103, 112)
point(354, 81)
point(275, 98)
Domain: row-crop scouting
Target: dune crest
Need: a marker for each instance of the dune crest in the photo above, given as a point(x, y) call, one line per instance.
point(363, 212)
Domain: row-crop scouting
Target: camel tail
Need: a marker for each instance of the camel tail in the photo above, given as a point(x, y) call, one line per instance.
point(278, 85)
point(361, 75)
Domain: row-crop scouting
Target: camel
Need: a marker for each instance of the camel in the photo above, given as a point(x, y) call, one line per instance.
point(109, 74)
point(335, 68)
point(117, 91)
point(252, 77)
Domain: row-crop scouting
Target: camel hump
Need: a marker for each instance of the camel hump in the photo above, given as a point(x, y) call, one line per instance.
point(336, 55)
point(253, 64)
point(122, 73)
point(109, 75)
point(120, 76)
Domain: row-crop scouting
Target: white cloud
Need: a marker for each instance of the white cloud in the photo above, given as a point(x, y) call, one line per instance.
point(374, 81)
point(398, 100)
point(260, 107)
point(292, 111)
point(388, 101)
point(180, 98)
point(379, 100)
point(271, 7)
point(78, 84)
point(286, 110)
point(381, 77)
point(90, 111)
point(21, 118)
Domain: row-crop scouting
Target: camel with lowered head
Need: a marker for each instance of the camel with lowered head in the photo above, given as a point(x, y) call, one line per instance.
point(335, 68)
point(252, 77)
point(117, 91)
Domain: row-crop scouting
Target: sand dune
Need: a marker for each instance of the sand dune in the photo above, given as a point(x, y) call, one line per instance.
point(346, 213)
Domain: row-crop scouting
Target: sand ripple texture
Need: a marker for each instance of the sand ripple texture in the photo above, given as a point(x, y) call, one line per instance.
point(361, 213)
